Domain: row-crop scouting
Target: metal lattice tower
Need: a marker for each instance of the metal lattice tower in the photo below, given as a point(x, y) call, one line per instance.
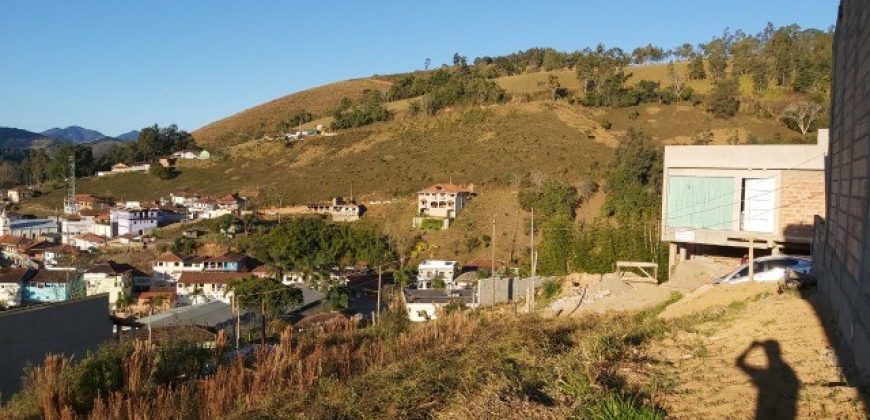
point(71, 206)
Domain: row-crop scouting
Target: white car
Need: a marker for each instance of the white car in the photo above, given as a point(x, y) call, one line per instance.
point(768, 269)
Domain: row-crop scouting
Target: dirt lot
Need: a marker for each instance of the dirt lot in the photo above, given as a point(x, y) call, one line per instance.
point(753, 353)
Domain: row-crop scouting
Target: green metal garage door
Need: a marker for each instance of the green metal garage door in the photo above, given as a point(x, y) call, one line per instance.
point(700, 202)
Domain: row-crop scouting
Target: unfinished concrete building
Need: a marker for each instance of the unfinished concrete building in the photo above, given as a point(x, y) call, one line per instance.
point(843, 238)
point(731, 195)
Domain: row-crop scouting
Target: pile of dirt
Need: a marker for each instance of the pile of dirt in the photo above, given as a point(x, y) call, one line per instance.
point(699, 271)
point(601, 293)
point(712, 297)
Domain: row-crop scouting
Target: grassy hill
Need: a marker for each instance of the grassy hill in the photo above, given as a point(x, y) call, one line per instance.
point(492, 147)
point(252, 123)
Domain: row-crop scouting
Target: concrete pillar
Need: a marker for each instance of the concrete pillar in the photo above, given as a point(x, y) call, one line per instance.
point(684, 253)
point(672, 258)
point(776, 250)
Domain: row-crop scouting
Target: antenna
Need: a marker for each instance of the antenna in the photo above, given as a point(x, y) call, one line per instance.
point(71, 207)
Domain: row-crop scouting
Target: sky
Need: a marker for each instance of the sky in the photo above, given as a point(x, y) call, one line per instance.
point(115, 66)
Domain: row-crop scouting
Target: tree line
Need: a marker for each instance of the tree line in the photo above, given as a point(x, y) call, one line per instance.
point(42, 165)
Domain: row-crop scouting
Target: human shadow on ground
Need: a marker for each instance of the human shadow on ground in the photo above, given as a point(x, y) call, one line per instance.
point(777, 382)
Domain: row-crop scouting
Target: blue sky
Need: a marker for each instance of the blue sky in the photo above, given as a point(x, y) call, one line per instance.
point(119, 65)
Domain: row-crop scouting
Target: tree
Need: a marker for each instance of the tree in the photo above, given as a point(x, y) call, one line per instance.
point(337, 299)
point(256, 293)
point(162, 172)
point(183, 245)
point(438, 282)
point(723, 101)
point(716, 53)
point(802, 115)
point(683, 52)
point(556, 246)
point(696, 68)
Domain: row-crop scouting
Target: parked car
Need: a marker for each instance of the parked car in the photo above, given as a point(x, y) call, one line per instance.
point(773, 268)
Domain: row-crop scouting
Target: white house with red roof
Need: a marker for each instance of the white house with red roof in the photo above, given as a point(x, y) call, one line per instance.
point(442, 202)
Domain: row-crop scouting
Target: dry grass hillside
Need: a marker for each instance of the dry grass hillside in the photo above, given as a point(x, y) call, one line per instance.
point(254, 122)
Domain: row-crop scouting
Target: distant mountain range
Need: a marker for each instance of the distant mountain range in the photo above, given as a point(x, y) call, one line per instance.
point(16, 138)
point(130, 135)
point(74, 134)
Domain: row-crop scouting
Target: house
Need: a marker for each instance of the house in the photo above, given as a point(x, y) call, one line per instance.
point(426, 304)
point(50, 254)
point(11, 284)
point(120, 168)
point(157, 299)
point(48, 286)
point(230, 261)
point(28, 228)
point(441, 203)
point(338, 210)
point(167, 162)
point(17, 195)
point(109, 277)
point(186, 155)
point(134, 220)
point(89, 241)
point(13, 249)
point(231, 202)
point(429, 270)
point(183, 198)
point(81, 202)
point(196, 287)
point(728, 195)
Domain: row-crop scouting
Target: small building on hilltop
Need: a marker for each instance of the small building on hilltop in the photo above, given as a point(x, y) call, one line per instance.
point(729, 195)
point(439, 204)
point(339, 210)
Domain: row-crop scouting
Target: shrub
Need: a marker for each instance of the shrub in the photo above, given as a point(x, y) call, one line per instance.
point(723, 102)
point(605, 124)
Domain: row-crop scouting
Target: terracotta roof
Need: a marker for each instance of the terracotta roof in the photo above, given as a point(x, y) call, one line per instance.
point(13, 240)
point(13, 275)
point(211, 277)
point(90, 212)
point(445, 188)
point(228, 199)
point(53, 276)
point(88, 198)
point(261, 269)
point(170, 292)
point(110, 267)
point(169, 257)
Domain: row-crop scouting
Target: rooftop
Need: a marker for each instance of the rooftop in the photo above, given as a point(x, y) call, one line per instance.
point(438, 295)
point(13, 275)
point(445, 188)
point(750, 156)
point(209, 314)
point(437, 264)
point(54, 276)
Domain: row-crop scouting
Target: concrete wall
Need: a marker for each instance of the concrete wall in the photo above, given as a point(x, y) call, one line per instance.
point(841, 253)
point(71, 328)
point(502, 290)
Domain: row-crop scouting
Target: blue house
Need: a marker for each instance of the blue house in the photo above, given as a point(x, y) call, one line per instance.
point(52, 286)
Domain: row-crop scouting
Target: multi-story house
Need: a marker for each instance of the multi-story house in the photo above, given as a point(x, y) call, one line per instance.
point(198, 287)
point(134, 220)
point(441, 202)
point(109, 277)
point(429, 270)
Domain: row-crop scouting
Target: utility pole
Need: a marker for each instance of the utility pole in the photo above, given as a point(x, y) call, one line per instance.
point(238, 328)
point(378, 309)
point(492, 246)
point(532, 257)
point(752, 258)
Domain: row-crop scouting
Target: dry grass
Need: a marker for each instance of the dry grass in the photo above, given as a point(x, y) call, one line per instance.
point(464, 363)
point(252, 123)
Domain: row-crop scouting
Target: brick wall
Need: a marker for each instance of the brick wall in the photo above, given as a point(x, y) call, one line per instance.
point(842, 247)
point(802, 196)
